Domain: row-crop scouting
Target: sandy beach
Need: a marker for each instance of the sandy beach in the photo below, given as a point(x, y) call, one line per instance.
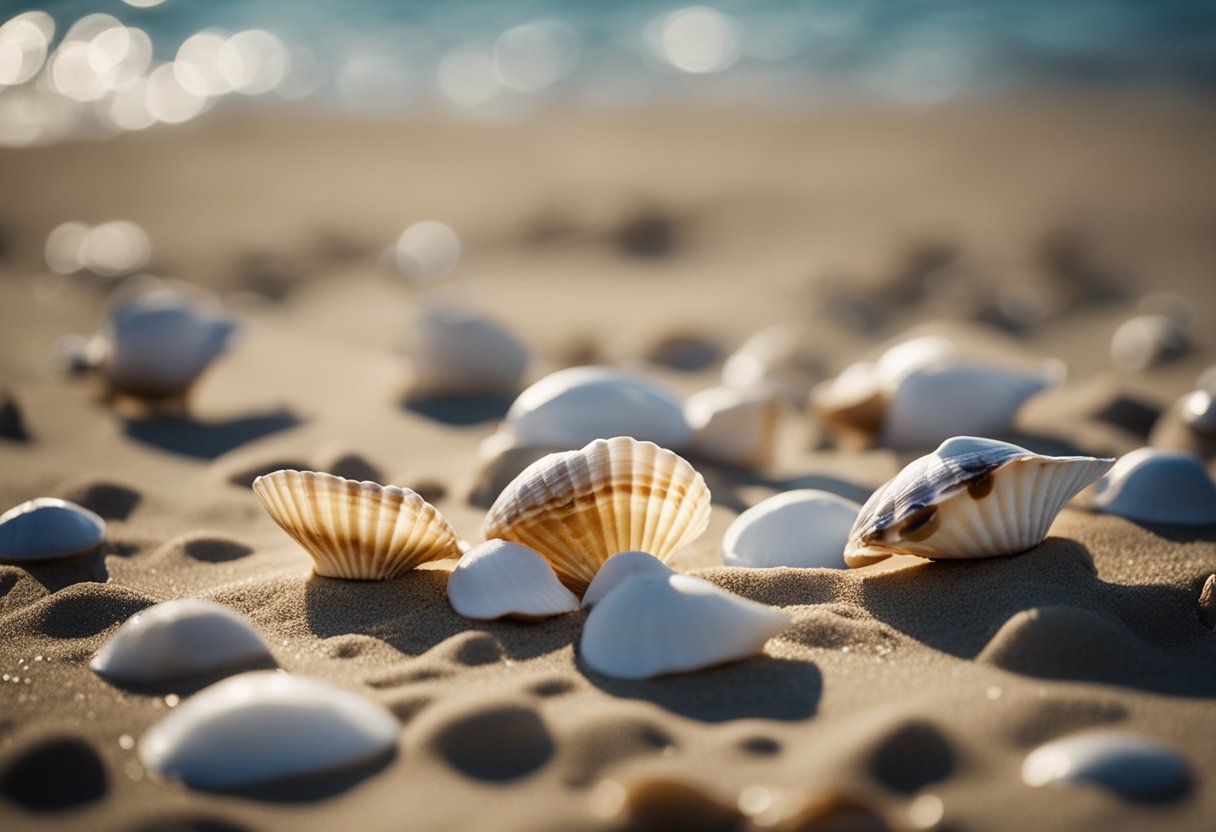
point(1033, 226)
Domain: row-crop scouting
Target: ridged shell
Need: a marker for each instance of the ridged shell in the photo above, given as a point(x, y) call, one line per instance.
point(265, 726)
point(178, 639)
point(356, 530)
point(458, 353)
point(802, 528)
point(46, 528)
point(621, 567)
point(578, 508)
point(649, 626)
point(733, 427)
point(1151, 485)
point(571, 407)
point(499, 578)
point(1131, 766)
point(970, 498)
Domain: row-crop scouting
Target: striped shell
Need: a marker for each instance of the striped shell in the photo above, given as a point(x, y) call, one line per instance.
point(579, 508)
point(356, 530)
point(971, 498)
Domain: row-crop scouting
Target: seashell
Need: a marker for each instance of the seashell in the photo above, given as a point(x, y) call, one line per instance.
point(733, 427)
point(971, 498)
point(779, 361)
point(578, 508)
point(1130, 765)
point(1207, 603)
point(572, 407)
point(621, 567)
point(500, 578)
point(802, 528)
point(178, 639)
point(672, 623)
point(356, 530)
point(46, 528)
point(1145, 341)
point(1199, 411)
point(1150, 485)
point(159, 343)
point(458, 353)
point(264, 726)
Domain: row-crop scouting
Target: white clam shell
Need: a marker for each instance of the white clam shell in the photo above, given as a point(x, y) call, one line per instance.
point(1150, 485)
point(1127, 764)
point(970, 498)
point(578, 508)
point(178, 639)
point(571, 407)
point(159, 343)
point(46, 528)
point(265, 726)
point(356, 530)
point(621, 567)
point(649, 626)
point(778, 360)
point(733, 427)
point(1145, 341)
point(803, 528)
point(500, 578)
point(1199, 411)
point(456, 352)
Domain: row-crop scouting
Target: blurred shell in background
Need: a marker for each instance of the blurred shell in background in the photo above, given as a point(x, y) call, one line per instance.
point(1151, 485)
point(455, 352)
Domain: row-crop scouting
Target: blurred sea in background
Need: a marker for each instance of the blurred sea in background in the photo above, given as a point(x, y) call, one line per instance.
point(95, 67)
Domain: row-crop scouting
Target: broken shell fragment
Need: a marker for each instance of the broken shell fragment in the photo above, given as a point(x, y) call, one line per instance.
point(458, 353)
point(971, 498)
point(1151, 485)
point(500, 578)
point(733, 427)
point(804, 528)
point(572, 407)
point(178, 639)
point(264, 726)
point(46, 528)
point(356, 530)
point(578, 508)
point(621, 567)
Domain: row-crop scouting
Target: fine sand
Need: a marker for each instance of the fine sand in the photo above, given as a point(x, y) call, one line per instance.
point(911, 689)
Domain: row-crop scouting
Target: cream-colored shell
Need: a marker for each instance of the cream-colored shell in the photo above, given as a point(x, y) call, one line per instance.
point(733, 427)
point(356, 530)
point(456, 352)
point(652, 625)
point(971, 498)
point(621, 567)
point(500, 578)
point(578, 508)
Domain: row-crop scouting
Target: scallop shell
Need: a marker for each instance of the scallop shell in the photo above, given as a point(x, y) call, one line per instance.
point(578, 508)
point(733, 427)
point(571, 407)
point(178, 639)
point(970, 498)
point(1130, 765)
point(159, 343)
point(1150, 485)
point(356, 530)
point(458, 353)
point(672, 623)
point(499, 578)
point(46, 528)
point(265, 726)
point(802, 528)
point(621, 567)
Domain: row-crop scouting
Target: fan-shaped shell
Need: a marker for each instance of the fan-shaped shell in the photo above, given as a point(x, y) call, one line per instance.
point(1151, 485)
point(177, 639)
point(648, 626)
point(578, 508)
point(1127, 764)
point(500, 578)
point(802, 528)
point(265, 726)
point(356, 530)
point(571, 407)
point(733, 427)
point(458, 353)
point(621, 567)
point(46, 528)
point(970, 498)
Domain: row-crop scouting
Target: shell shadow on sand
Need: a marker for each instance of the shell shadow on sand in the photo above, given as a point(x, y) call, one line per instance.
point(459, 411)
point(206, 440)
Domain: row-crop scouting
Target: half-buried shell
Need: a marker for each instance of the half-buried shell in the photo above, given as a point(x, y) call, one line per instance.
point(48, 527)
point(1151, 485)
point(500, 578)
point(578, 508)
point(804, 528)
point(621, 567)
point(971, 498)
point(356, 530)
